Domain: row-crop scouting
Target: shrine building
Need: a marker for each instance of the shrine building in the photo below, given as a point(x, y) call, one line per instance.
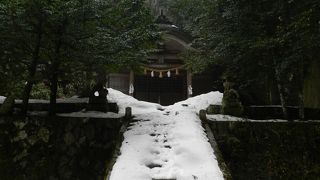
point(165, 78)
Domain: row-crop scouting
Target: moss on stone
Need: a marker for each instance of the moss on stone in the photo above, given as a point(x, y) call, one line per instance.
point(214, 109)
point(270, 150)
point(55, 148)
point(7, 106)
point(231, 104)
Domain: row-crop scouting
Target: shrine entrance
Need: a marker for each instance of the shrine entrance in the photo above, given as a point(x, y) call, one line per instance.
point(163, 77)
point(165, 80)
point(165, 90)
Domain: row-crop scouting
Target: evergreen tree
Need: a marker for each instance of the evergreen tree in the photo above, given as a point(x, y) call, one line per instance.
point(255, 40)
point(49, 40)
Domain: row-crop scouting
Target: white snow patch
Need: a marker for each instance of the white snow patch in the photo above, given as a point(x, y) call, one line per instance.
point(167, 144)
point(123, 101)
point(199, 102)
point(2, 98)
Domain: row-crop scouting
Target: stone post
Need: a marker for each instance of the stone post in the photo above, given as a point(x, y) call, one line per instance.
point(189, 83)
point(203, 115)
point(131, 83)
point(128, 112)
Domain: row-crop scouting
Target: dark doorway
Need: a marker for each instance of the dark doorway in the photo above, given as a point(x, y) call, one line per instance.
point(165, 91)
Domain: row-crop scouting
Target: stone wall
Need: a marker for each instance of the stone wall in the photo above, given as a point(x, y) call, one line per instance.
point(56, 148)
point(269, 112)
point(269, 150)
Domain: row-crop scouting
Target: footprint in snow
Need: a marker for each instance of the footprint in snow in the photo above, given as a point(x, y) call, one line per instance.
point(153, 165)
point(165, 160)
point(154, 134)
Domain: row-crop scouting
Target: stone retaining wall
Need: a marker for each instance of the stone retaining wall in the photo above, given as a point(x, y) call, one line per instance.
point(56, 148)
point(269, 150)
point(270, 112)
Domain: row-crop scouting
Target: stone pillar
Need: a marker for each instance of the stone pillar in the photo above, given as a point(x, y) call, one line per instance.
point(128, 112)
point(203, 115)
point(189, 83)
point(131, 83)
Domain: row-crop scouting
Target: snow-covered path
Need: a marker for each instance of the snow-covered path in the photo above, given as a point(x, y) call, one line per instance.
point(166, 142)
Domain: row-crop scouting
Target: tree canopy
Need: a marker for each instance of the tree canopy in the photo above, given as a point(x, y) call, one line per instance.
point(60, 42)
point(254, 40)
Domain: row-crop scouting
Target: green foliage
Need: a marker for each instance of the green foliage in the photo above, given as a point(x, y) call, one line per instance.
point(42, 91)
point(61, 39)
point(195, 60)
point(254, 39)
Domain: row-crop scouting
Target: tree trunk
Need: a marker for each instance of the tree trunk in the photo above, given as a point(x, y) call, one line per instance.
point(32, 71)
point(53, 93)
point(301, 92)
point(283, 100)
point(54, 79)
point(301, 106)
point(281, 92)
point(26, 94)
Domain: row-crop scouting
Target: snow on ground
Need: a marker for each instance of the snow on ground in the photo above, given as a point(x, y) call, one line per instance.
point(168, 143)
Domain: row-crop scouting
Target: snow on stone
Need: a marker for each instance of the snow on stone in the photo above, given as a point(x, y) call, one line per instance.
point(38, 113)
point(227, 118)
point(91, 114)
point(123, 101)
point(74, 99)
point(2, 98)
point(220, 117)
point(169, 143)
point(200, 102)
